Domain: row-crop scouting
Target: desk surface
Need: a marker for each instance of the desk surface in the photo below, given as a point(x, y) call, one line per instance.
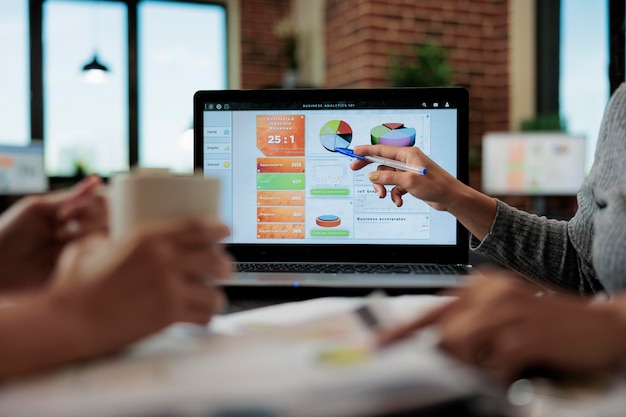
point(310, 358)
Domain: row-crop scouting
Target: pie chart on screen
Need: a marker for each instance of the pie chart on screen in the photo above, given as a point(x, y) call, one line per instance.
point(393, 134)
point(328, 220)
point(335, 134)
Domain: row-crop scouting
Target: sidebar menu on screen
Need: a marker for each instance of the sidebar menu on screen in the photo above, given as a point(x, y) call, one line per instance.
point(217, 156)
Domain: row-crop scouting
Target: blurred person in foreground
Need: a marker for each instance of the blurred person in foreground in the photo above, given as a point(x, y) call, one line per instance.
point(67, 293)
point(513, 330)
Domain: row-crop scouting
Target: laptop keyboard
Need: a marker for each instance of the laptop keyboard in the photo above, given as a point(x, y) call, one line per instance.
point(340, 268)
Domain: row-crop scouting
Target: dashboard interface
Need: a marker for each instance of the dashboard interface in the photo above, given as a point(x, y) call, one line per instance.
point(283, 182)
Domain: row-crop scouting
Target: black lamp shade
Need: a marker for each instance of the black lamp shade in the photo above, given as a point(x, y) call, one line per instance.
point(95, 65)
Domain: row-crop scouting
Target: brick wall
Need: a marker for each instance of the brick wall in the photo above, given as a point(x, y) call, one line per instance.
point(262, 56)
point(362, 35)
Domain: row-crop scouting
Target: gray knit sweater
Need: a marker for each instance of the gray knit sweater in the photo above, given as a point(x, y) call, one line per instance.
point(587, 253)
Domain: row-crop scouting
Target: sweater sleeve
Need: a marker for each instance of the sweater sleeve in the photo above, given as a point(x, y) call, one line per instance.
point(587, 253)
point(538, 248)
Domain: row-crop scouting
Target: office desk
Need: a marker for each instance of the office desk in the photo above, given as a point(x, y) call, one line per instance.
point(311, 358)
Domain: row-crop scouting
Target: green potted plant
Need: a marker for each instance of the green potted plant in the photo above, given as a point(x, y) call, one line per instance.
point(427, 67)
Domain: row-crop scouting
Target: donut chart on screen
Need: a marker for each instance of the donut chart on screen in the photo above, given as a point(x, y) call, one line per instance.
point(335, 134)
point(393, 134)
point(328, 220)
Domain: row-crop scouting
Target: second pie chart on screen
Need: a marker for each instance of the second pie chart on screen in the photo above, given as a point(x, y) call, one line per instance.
point(335, 134)
point(393, 134)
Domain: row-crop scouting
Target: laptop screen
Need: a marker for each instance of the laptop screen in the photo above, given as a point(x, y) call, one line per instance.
point(22, 169)
point(286, 190)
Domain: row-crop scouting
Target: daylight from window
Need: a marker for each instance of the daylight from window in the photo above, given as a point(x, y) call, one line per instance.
point(14, 80)
point(584, 84)
point(85, 123)
point(182, 50)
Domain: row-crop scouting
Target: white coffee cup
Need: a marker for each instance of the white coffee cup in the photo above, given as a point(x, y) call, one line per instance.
point(144, 197)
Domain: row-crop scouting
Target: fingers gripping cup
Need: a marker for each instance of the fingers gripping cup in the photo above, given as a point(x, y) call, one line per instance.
point(144, 197)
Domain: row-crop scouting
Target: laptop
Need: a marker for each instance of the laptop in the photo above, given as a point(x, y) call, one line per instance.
point(22, 169)
point(301, 220)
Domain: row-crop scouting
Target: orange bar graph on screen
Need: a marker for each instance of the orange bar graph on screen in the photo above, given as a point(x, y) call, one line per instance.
point(280, 165)
point(280, 198)
point(6, 161)
point(280, 135)
point(279, 214)
point(280, 231)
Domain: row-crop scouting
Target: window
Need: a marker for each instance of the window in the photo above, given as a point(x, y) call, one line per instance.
point(14, 81)
point(86, 123)
point(182, 50)
point(158, 52)
point(584, 86)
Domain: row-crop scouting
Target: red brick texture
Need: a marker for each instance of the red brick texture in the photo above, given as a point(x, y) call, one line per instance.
point(263, 59)
point(363, 35)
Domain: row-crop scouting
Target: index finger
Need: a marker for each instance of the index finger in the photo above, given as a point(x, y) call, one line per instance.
point(431, 317)
point(79, 196)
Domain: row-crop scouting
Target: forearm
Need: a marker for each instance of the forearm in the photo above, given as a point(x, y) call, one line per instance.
point(475, 210)
point(36, 335)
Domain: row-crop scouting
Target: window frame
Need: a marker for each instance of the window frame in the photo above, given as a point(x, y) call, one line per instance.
point(37, 116)
point(548, 23)
point(617, 43)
